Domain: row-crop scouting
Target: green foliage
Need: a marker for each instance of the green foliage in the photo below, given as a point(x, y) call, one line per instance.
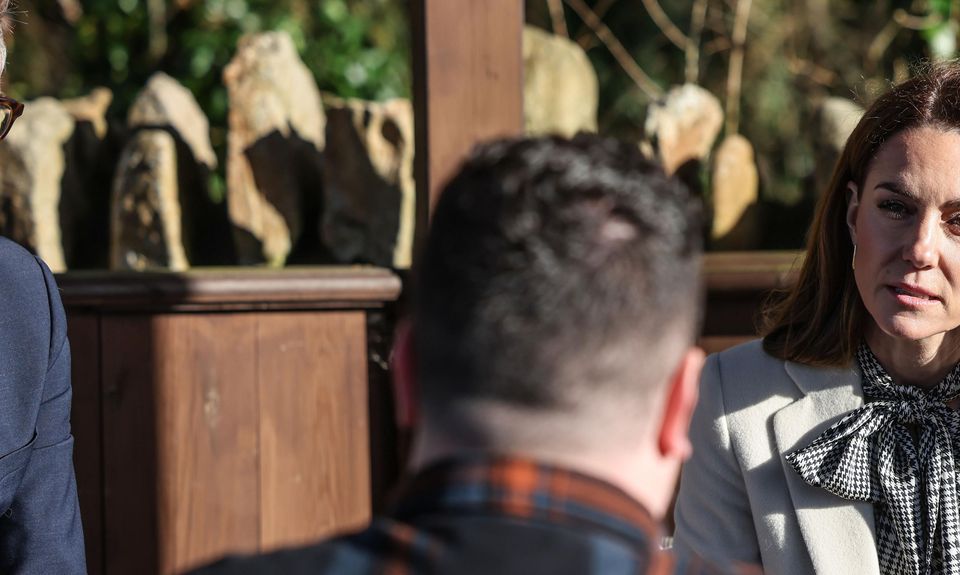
point(941, 33)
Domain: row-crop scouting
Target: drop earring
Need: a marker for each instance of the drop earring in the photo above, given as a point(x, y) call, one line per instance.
point(853, 260)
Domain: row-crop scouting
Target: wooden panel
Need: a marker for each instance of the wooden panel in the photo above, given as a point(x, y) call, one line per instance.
point(313, 422)
point(180, 440)
point(129, 446)
point(726, 271)
point(468, 84)
point(84, 333)
point(207, 415)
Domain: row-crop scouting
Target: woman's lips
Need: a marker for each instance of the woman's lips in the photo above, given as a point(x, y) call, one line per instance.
point(914, 296)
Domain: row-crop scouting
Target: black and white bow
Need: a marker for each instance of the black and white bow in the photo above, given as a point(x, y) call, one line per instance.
point(897, 451)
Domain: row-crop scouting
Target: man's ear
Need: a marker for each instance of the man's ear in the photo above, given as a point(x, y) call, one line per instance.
point(673, 439)
point(853, 204)
point(403, 370)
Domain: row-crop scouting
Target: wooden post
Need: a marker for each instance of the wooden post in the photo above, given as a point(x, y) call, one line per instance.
point(467, 86)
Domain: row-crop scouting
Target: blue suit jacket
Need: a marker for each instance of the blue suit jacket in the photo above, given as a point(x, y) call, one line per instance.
point(40, 529)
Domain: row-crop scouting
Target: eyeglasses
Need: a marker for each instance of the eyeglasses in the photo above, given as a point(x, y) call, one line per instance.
point(10, 110)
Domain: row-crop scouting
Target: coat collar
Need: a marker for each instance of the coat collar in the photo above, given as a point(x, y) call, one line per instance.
point(839, 534)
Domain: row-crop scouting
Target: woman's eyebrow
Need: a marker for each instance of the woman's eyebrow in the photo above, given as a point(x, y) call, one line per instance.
point(897, 188)
point(900, 190)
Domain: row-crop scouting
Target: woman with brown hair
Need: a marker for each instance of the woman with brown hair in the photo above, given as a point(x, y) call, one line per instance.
point(831, 445)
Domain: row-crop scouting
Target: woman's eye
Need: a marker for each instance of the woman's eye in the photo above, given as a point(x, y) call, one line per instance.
point(894, 208)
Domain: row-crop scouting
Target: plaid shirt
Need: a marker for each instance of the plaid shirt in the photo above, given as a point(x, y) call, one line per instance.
point(491, 515)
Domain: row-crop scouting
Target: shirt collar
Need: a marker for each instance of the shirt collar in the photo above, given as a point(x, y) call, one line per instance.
point(523, 488)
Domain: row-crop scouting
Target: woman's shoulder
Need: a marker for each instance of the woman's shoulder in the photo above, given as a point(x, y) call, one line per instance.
point(748, 355)
point(747, 372)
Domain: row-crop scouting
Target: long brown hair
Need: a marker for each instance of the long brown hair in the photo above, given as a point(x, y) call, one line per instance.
point(819, 321)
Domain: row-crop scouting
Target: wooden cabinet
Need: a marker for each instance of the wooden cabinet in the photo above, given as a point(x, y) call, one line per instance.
point(219, 412)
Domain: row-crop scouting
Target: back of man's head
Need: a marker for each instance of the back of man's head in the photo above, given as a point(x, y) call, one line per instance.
point(558, 290)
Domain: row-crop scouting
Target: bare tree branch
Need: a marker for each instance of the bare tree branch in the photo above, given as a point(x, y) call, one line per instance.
point(908, 20)
point(735, 73)
point(556, 15)
point(586, 37)
point(698, 16)
point(71, 10)
point(717, 45)
point(716, 22)
point(666, 26)
point(816, 73)
point(157, 38)
point(629, 65)
point(879, 45)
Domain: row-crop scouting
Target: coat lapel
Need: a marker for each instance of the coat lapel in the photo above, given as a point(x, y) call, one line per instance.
point(839, 534)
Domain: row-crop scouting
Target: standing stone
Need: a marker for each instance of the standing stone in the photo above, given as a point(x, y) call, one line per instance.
point(560, 87)
point(145, 230)
point(684, 125)
point(205, 237)
point(274, 146)
point(91, 108)
point(31, 169)
point(836, 119)
point(165, 103)
point(368, 186)
point(735, 195)
point(91, 157)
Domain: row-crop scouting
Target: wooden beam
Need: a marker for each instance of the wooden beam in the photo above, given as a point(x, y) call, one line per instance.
point(468, 85)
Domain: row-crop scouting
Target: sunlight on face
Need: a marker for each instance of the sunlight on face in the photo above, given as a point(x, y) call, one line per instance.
point(906, 225)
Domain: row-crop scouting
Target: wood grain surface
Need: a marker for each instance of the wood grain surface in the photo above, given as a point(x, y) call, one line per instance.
point(315, 464)
point(229, 433)
point(467, 85)
point(83, 331)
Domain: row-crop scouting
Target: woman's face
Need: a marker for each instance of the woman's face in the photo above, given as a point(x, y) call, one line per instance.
point(906, 226)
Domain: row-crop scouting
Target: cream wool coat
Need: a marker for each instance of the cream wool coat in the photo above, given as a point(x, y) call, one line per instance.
point(739, 499)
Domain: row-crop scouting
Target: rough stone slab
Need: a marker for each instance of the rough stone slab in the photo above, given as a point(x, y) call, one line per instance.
point(146, 220)
point(166, 103)
point(32, 166)
point(91, 108)
point(683, 126)
point(735, 194)
point(369, 193)
point(560, 86)
point(276, 124)
point(92, 154)
point(835, 120)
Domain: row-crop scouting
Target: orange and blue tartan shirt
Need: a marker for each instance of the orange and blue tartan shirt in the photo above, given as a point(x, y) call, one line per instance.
point(491, 515)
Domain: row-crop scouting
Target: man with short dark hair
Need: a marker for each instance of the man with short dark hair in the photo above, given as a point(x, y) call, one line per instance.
point(549, 371)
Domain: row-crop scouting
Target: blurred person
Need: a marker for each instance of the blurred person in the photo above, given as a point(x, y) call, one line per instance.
point(831, 445)
point(40, 530)
point(549, 372)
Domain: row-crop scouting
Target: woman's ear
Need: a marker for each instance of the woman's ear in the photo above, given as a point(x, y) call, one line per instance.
point(853, 204)
point(403, 370)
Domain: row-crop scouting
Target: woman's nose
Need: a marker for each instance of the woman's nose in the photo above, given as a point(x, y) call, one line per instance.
point(921, 247)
